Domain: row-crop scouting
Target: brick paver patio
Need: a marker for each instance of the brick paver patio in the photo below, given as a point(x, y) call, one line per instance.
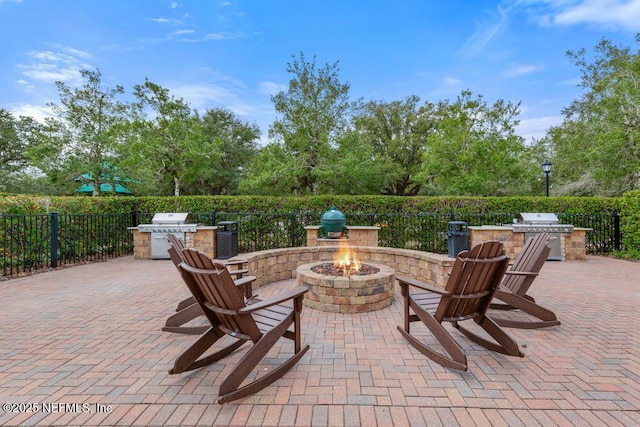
point(91, 335)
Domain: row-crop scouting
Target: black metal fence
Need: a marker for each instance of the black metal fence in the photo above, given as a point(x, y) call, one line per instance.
point(36, 242)
point(424, 232)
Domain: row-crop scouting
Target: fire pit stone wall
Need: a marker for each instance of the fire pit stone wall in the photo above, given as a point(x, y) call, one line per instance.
point(280, 264)
point(346, 294)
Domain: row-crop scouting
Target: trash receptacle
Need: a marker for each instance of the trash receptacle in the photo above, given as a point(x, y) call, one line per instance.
point(458, 233)
point(227, 236)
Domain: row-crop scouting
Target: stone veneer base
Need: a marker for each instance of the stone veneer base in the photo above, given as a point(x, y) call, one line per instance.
point(204, 240)
point(572, 245)
point(346, 294)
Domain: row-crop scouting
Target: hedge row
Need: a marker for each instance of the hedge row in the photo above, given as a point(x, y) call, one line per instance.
point(346, 204)
point(630, 224)
point(628, 206)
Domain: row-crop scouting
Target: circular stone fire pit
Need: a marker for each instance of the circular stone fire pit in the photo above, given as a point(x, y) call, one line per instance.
point(356, 293)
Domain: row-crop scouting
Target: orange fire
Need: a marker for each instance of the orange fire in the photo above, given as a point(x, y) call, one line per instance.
point(346, 259)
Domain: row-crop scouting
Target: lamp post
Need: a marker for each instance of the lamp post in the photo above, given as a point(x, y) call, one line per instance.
point(546, 167)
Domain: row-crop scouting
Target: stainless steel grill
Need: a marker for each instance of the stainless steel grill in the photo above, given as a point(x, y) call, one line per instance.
point(163, 224)
point(535, 223)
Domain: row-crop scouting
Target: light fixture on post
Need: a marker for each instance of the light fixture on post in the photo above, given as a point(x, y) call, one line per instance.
point(546, 167)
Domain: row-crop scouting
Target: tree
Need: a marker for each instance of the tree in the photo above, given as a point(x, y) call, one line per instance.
point(474, 150)
point(12, 148)
point(172, 145)
point(313, 115)
point(598, 143)
point(397, 132)
point(269, 173)
point(353, 168)
point(83, 136)
point(237, 141)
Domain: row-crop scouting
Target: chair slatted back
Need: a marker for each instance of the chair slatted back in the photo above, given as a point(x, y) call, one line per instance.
point(176, 245)
point(175, 241)
point(474, 279)
point(220, 294)
point(531, 259)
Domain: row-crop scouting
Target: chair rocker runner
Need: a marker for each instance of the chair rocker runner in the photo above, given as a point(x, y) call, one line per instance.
point(517, 281)
point(188, 309)
point(474, 279)
point(261, 324)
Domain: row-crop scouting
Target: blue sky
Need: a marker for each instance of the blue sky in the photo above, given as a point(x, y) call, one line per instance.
point(234, 54)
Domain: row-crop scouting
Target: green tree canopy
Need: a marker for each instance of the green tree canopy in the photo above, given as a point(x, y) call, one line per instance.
point(237, 141)
point(83, 136)
point(313, 114)
point(474, 150)
point(171, 147)
point(397, 132)
point(598, 143)
point(12, 148)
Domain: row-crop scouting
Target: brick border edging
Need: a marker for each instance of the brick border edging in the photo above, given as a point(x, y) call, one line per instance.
point(274, 265)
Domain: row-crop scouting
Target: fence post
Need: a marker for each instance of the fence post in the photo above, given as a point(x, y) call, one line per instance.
point(373, 218)
point(4, 244)
point(134, 218)
point(453, 216)
point(293, 229)
point(213, 218)
point(54, 239)
point(617, 243)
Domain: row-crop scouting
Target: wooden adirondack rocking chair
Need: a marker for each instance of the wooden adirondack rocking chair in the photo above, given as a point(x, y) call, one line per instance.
point(474, 279)
point(261, 324)
point(187, 309)
point(517, 281)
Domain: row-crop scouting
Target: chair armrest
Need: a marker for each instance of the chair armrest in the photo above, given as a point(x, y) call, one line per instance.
point(235, 267)
point(284, 296)
point(239, 263)
point(521, 273)
point(420, 285)
point(238, 273)
point(243, 281)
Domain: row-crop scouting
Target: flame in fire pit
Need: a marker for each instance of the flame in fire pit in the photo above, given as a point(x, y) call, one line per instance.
point(346, 259)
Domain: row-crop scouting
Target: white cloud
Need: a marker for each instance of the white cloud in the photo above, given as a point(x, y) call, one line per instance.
point(536, 127)
point(225, 35)
point(38, 112)
point(27, 86)
point(213, 95)
point(49, 66)
point(452, 82)
point(617, 14)
point(521, 70)
point(202, 95)
point(270, 88)
point(222, 91)
point(486, 31)
point(181, 32)
point(76, 53)
point(48, 73)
